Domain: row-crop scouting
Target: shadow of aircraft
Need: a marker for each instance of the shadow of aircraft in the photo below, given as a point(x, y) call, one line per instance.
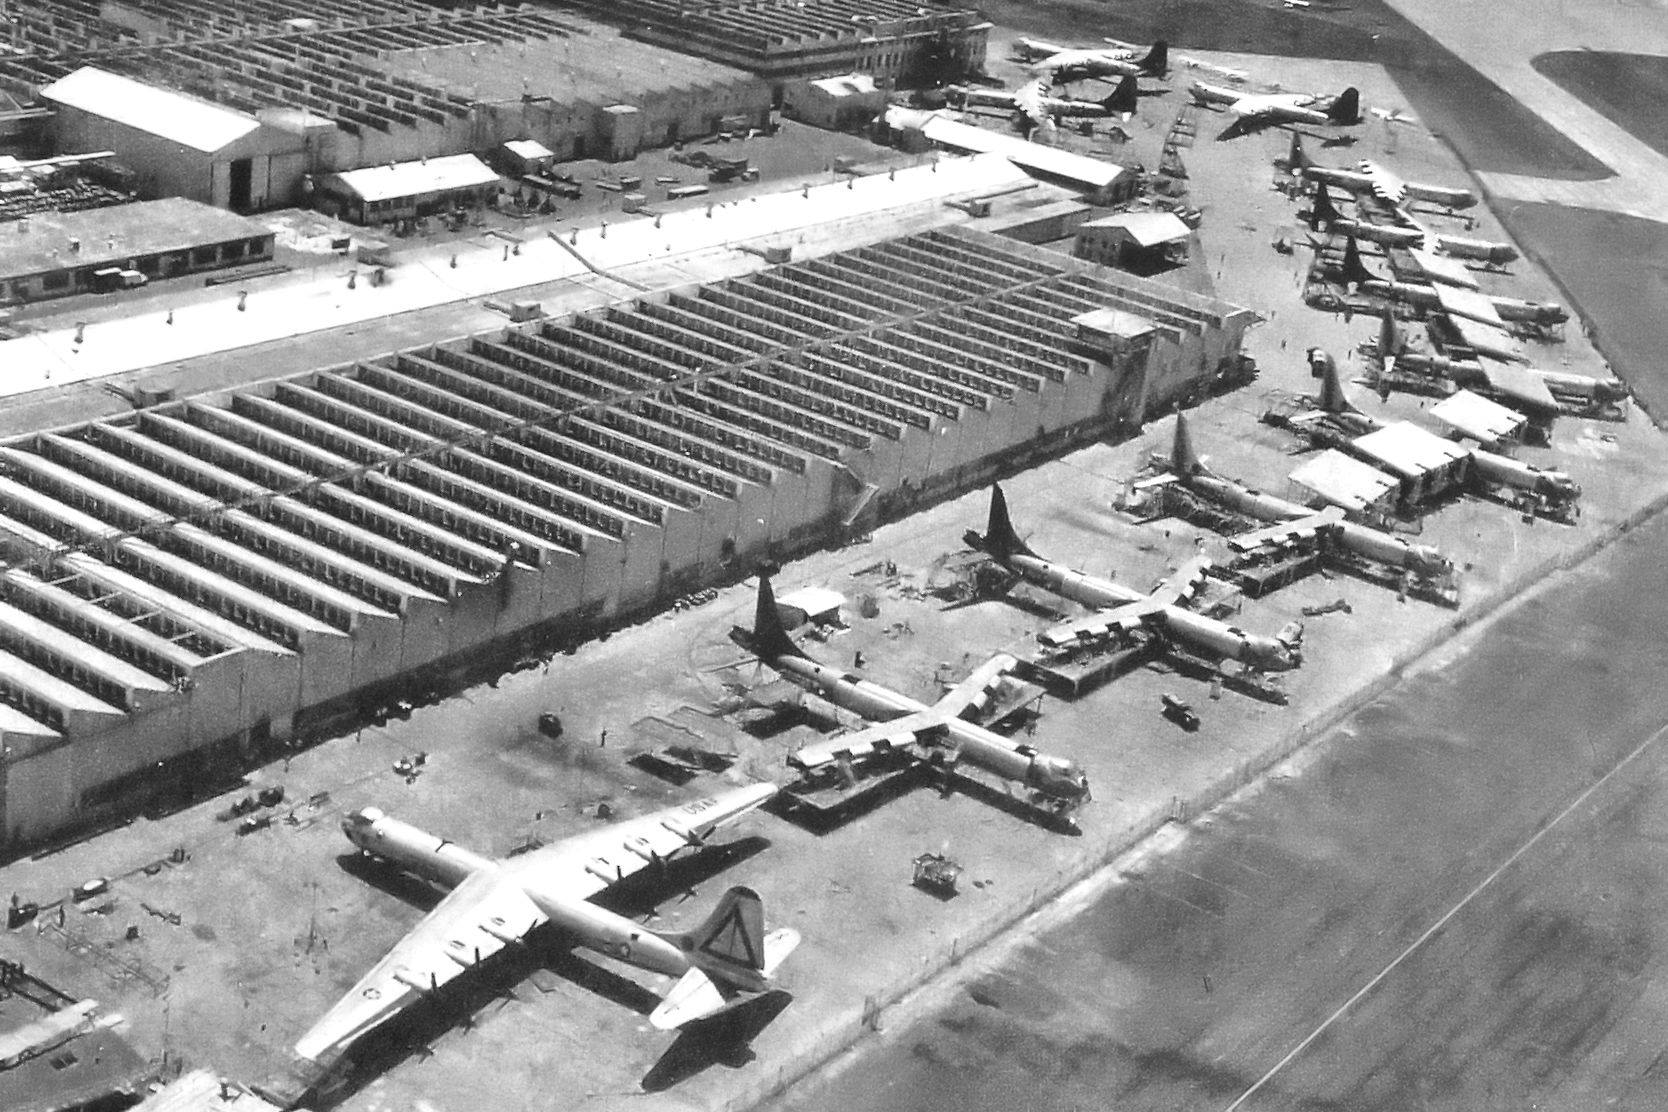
point(721, 1040)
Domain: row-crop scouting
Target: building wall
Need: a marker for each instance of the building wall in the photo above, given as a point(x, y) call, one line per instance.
point(165, 169)
point(77, 277)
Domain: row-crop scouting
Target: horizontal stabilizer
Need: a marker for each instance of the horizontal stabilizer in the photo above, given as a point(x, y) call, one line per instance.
point(698, 996)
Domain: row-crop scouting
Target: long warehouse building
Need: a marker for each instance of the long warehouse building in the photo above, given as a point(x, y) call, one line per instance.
point(189, 586)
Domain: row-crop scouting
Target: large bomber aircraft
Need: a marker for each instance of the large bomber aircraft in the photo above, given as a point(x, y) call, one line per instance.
point(1484, 308)
point(494, 904)
point(1254, 112)
point(1033, 102)
point(1120, 610)
point(1324, 216)
point(902, 724)
point(1105, 63)
point(1370, 177)
point(1335, 419)
point(1190, 472)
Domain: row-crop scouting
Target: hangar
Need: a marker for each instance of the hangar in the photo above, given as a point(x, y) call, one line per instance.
point(198, 582)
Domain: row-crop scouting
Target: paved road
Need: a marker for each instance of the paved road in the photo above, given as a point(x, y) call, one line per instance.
point(1502, 49)
point(1456, 903)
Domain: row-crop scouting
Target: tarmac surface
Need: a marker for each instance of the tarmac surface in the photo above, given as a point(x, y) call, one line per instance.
point(275, 925)
point(1455, 901)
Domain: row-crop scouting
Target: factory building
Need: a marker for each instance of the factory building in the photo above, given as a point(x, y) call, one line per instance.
point(199, 581)
point(55, 254)
point(178, 145)
point(406, 190)
point(890, 40)
point(845, 103)
point(231, 109)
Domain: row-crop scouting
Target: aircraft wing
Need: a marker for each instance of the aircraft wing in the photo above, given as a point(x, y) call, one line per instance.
point(883, 737)
point(1102, 624)
point(1032, 99)
point(1179, 588)
point(1285, 532)
point(976, 691)
point(1386, 185)
point(580, 867)
point(479, 917)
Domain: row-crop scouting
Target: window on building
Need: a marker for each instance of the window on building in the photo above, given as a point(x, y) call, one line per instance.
point(204, 256)
point(233, 250)
point(55, 281)
point(257, 247)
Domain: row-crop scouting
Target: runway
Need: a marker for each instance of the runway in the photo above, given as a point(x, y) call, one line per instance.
point(1455, 903)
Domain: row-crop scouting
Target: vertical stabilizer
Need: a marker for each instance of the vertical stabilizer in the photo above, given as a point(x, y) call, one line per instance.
point(1297, 160)
point(1322, 213)
point(1000, 541)
point(1125, 99)
point(1346, 107)
point(1183, 460)
point(1389, 337)
point(732, 937)
point(1355, 271)
point(1332, 396)
point(770, 637)
point(1157, 61)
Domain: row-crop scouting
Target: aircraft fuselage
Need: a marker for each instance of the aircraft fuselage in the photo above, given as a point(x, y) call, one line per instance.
point(1052, 776)
point(1373, 544)
point(435, 859)
point(1204, 635)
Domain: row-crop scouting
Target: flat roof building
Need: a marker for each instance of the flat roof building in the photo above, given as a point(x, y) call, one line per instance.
point(1103, 183)
point(55, 254)
point(404, 190)
point(1355, 487)
point(1141, 241)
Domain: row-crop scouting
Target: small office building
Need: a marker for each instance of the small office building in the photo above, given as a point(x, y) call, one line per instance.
point(55, 254)
point(1139, 241)
point(406, 190)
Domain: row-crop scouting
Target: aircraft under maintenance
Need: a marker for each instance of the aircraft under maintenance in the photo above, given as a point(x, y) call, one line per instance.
point(1032, 102)
point(1331, 420)
point(1538, 394)
point(1104, 63)
point(1122, 611)
point(494, 904)
point(1369, 177)
point(908, 727)
point(1255, 112)
point(1427, 571)
point(1407, 232)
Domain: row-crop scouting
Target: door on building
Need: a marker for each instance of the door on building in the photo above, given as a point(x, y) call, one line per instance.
point(243, 175)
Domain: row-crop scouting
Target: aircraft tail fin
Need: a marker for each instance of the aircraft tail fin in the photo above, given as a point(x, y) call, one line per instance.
point(1000, 541)
point(1157, 61)
point(770, 637)
point(1297, 159)
point(1183, 460)
point(1332, 396)
point(1322, 212)
point(1355, 271)
point(1389, 337)
point(1125, 99)
point(1346, 107)
point(731, 958)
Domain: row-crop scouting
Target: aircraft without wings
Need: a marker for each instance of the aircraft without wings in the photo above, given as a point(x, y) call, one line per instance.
point(905, 725)
point(1189, 471)
point(497, 903)
point(1121, 610)
point(1254, 112)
